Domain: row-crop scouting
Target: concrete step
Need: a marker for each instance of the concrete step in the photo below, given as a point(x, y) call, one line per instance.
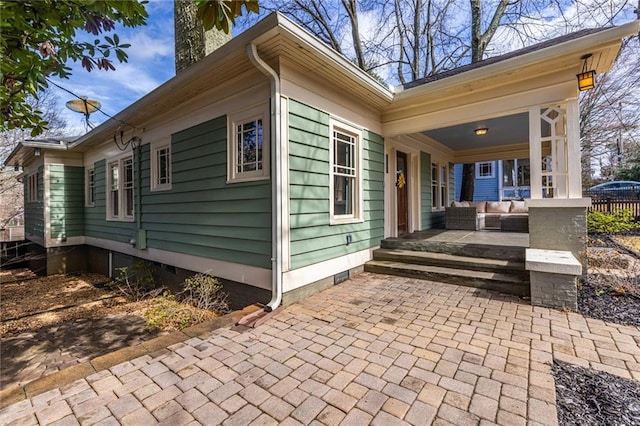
point(452, 261)
point(487, 251)
point(502, 282)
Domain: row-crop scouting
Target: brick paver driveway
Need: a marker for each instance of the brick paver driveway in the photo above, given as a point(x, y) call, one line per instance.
point(376, 349)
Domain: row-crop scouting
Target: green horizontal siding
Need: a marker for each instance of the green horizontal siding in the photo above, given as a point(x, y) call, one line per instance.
point(95, 223)
point(66, 200)
point(34, 211)
point(313, 240)
point(202, 214)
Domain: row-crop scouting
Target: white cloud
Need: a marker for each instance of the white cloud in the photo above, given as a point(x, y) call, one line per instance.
point(144, 46)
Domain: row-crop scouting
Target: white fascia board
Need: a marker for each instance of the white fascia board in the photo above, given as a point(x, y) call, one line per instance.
point(600, 39)
point(294, 32)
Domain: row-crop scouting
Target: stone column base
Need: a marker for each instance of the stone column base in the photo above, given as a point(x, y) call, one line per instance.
point(553, 290)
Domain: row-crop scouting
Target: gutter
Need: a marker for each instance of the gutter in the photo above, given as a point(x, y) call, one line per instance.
point(276, 178)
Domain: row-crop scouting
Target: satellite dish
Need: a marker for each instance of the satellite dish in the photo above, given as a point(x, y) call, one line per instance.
point(84, 106)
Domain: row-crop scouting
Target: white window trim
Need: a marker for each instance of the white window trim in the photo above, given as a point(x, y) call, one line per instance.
point(121, 217)
point(88, 201)
point(444, 202)
point(258, 112)
point(440, 205)
point(32, 188)
point(155, 186)
point(493, 170)
point(358, 215)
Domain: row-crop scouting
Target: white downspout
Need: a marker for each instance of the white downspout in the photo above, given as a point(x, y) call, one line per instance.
point(276, 176)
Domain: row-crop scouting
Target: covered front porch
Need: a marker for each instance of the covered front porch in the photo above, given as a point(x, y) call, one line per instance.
point(523, 105)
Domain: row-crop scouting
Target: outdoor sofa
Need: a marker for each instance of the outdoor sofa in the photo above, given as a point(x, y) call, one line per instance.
point(507, 216)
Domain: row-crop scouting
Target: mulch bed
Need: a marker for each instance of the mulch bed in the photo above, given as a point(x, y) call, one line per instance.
point(599, 303)
point(586, 397)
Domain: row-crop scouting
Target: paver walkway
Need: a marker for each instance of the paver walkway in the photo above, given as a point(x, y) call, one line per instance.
point(32, 355)
point(376, 349)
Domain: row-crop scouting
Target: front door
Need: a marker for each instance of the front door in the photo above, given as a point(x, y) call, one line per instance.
point(402, 185)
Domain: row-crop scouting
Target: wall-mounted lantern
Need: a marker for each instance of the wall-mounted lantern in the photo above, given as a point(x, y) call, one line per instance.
point(587, 78)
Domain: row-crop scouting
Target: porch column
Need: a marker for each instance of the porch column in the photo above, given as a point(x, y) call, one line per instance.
point(535, 152)
point(573, 149)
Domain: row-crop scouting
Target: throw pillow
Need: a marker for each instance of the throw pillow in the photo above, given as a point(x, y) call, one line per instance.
point(518, 207)
point(498, 206)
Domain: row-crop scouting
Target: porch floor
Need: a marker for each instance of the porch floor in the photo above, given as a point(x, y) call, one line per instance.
point(484, 237)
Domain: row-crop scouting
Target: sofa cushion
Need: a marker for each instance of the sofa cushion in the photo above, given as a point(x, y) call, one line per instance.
point(481, 206)
point(459, 204)
point(498, 206)
point(518, 207)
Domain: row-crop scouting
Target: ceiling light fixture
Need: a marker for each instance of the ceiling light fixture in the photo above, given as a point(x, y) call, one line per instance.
point(481, 131)
point(587, 78)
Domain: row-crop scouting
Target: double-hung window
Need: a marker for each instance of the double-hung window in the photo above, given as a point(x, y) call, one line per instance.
point(91, 187)
point(249, 145)
point(32, 188)
point(345, 179)
point(161, 168)
point(439, 186)
point(120, 189)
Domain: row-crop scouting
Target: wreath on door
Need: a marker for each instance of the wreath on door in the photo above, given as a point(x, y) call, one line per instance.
point(401, 182)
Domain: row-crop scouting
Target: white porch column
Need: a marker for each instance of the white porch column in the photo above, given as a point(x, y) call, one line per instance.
point(535, 152)
point(573, 149)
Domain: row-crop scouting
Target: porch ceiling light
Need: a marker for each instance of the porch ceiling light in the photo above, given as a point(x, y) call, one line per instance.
point(587, 78)
point(481, 131)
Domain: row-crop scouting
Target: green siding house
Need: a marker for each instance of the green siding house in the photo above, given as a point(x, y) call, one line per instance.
point(279, 166)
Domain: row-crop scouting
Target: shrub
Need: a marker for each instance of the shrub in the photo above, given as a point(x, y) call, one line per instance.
point(616, 223)
point(167, 313)
point(135, 282)
point(204, 292)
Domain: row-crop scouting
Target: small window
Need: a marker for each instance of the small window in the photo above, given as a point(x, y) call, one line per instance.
point(91, 187)
point(484, 170)
point(32, 188)
point(161, 168)
point(345, 174)
point(120, 189)
point(249, 145)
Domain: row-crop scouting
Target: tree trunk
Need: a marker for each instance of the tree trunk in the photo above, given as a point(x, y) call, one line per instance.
point(351, 8)
point(189, 47)
point(192, 43)
point(468, 180)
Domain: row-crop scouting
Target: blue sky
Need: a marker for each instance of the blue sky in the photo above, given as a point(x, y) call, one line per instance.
point(151, 63)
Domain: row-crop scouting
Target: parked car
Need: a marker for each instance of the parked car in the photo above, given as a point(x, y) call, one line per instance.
point(619, 190)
